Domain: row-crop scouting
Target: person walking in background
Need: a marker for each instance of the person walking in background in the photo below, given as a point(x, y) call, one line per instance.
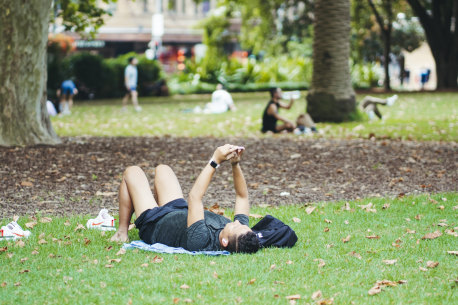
point(66, 92)
point(130, 81)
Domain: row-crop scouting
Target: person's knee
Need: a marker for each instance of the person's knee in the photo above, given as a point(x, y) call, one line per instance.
point(132, 171)
point(162, 168)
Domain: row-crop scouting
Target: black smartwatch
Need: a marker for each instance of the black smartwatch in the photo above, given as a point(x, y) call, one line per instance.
point(213, 164)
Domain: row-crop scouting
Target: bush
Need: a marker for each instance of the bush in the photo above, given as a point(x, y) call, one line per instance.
point(96, 77)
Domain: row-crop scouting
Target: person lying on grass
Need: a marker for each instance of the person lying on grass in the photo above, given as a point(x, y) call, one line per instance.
point(165, 217)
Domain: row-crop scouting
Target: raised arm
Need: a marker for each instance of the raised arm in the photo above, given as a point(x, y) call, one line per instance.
point(195, 206)
point(242, 204)
point(287, 106)
point(272, 110)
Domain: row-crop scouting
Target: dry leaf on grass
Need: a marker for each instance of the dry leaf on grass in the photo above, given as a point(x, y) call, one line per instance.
point(144, 265)
point(17, 284)
point(106, 194)
point(386, 206)
point(30, 225)
point(215, 275)
point(377, 288)
point(418, 217)
point(252, 281)
point(390, 261)
point(26, 183)
point(432, 264)
point(451, 232)
point(368, 207)
point(326, 229)
point(452, 252)
point(34, 252)
point(24, 259)
point(216, 209)
point(309, 209)
point(355, 254)
point(433, 235)
point(42, 242)
point(321, 263)
point(3, 284)
point(67, 223)
point(157, 259)
point(410, 231)
point(79, 227)
point(108, 266)
point(45, 220)
point(423, 268)
point(131, 226)
point(295, 219)
point(346, 239)
point(24, 271)
point(373, 237)
point(317, 295)
point(327, 221)
point(184, 286)
point(256, 216)
point(346, 207)
point(3, 249)
point(121, 251)
point(116, 260)
point(289, 262)
point(20, 243)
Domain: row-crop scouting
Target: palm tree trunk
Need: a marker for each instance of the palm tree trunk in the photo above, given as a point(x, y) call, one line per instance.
point(331, 96)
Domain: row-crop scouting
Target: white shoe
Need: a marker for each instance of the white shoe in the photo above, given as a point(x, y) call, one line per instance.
point(371, 115)
point(390, 101)
point(138, 108)
point(103, 221)
point(13, 231)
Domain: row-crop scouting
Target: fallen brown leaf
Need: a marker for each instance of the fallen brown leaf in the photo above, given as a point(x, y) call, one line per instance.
point(375, 290)
point(24, 259)
point(295, 219)
point(45, 220)
point(106, 194)
point(144, 265)
point(289, 262)
point(20, 243)
point(346, 239)
point(34, 252)
point(423, 268)
point(317, 295)
point(252, 281)
point(215, 275)
point(17, 284)
point(42, 242)
point(30, 225)
point(325, 301)
point(79, 227)
point(309, 209)
point(108, 266)
point(3, 284)
point(433, 235)
point(368, 207)
point(121, 251)
point(373, 237)
point(109, 248)
point(256, 216)
point(116, 260)
point(24, 271)
point(410, 231)
point(3, 249)
point(326, 229)
point(26, 183)
point(157, 259)
point(452, 252)
point(432, 264)
point(418, 217)
point(321, 263)
point(451, 232)
point(184, 286)
point(386, 206)
point(390, 261)
point(354, 254)
point(67, 223)
point(327, 221)
point(346, 207)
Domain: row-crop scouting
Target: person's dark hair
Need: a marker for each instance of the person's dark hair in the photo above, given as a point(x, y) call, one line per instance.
point(272, 91)
point(245, 243)
point(130, 59)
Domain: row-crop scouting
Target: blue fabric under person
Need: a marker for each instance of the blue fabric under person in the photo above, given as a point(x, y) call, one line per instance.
point(161, 248)
point(68, 87)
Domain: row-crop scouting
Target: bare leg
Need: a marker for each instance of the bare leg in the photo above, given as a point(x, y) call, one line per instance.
point(308, 121)
point(372, 100)
point(166, 185)
point(125, 100)
point(286, 126)
point(134, 95)
point(134, 195)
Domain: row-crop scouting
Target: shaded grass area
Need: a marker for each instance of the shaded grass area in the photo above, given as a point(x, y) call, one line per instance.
point(415, 116)
point(71, 267)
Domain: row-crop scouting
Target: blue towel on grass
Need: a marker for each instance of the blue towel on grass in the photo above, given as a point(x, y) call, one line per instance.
point(161, 248)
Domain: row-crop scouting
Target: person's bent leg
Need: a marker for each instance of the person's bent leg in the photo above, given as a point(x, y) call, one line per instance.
point(373, 100)
point(134, 195)
point(125, 100)
point(287, 127)
point(166, 185)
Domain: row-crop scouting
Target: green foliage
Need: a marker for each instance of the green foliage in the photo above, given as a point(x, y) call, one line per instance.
point(101, 78)
point(82, 16)
point(365, 75)
point(81, 266)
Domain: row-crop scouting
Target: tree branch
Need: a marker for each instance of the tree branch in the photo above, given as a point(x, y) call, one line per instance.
point(379, 18)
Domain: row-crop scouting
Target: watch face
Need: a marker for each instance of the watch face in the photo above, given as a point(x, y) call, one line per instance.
point(214, 164)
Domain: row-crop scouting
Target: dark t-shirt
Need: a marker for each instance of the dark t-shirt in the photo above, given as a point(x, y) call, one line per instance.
point(202, 235)
point(269, 122)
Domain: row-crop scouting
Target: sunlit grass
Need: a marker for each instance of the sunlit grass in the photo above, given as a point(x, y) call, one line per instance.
point(71, 267)
point(415, 116)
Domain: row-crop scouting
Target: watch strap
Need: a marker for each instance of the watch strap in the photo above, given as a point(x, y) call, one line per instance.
point(213, 164)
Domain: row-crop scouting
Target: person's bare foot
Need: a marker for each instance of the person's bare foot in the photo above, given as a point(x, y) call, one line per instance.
point(120, 237)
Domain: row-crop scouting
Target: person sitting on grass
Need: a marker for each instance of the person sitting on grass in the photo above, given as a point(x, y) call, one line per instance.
point(165, 217)
point(271, 116)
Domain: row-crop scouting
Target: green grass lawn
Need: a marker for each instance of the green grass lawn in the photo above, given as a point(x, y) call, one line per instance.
point(58, 265)
point(416, 116)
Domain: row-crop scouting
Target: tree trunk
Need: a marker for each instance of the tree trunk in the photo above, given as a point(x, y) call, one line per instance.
point(331, 96)
point(386, 54)
point(24, 118)
point(440, 25)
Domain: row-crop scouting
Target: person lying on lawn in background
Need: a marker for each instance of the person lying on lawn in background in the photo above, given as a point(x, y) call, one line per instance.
point(165, 216)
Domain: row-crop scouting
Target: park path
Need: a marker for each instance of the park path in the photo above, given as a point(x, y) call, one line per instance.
point(83, 174)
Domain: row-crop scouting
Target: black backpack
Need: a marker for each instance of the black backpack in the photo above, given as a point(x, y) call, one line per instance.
point(272, 232)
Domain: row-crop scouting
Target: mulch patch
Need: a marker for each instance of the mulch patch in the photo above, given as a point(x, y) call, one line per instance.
point(83, 174)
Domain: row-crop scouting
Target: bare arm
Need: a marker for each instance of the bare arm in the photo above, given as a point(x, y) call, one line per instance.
point(242, 204)
point(287, 106)
point(195, 205)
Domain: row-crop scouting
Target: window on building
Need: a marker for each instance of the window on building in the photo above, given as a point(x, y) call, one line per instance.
point(172, 6)
point(205, 7)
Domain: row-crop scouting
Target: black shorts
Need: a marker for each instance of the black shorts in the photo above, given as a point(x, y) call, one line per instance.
point(145, 222)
